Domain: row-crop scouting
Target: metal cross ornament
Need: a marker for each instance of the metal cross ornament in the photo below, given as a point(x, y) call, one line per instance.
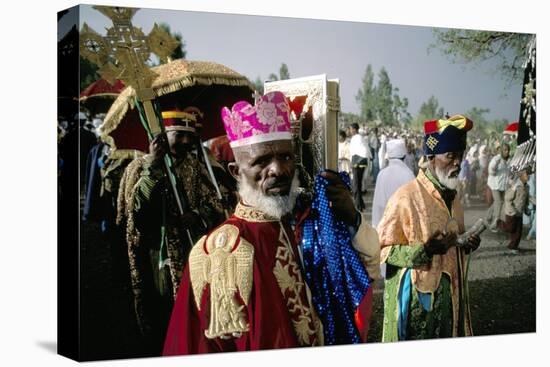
point(124, 51)
point(123, 54)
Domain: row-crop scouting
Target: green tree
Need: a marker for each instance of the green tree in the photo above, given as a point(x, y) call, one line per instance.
point(384, 98)
point(346, 118)
point(88, 73)
point(406, 117)
point(258, 85)
point(366, 97)
point(400, 107)
point(283, 72)
point(510, 49)
point(429, 110)
point(483, 127)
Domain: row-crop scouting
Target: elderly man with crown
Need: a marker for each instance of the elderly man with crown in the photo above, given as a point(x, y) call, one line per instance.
point(245, 287)
point(425, 293)
point(158, 244)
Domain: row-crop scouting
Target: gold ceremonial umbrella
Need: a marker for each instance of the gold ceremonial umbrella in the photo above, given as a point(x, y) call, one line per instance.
point(206, 85)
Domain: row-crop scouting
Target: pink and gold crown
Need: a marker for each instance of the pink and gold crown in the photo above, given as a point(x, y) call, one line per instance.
point(268, 120)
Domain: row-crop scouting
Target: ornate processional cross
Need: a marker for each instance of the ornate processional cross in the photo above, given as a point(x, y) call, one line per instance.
point(123, 54)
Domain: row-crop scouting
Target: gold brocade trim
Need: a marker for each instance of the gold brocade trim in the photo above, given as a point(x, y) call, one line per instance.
point(129, 179)
point(226, 271)
point(454, 303)
point(251, 214)
point(289, 278)
point(125, 154)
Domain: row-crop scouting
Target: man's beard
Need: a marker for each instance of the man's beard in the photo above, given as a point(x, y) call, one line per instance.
point(445, 180)
point(275, 206)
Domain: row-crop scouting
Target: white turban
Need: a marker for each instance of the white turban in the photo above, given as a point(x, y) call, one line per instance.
point(396, 148)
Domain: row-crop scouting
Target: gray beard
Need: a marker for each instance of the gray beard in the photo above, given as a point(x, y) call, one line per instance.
point(448, 182)
point(274, 206)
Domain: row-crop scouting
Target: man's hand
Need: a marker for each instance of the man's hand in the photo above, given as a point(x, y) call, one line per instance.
point(472, 244)
point(439, 244)
point(159, 147)
point(340, 199)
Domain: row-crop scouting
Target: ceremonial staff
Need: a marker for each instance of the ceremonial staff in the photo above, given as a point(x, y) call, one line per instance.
point(212, 176)
point(123, 54)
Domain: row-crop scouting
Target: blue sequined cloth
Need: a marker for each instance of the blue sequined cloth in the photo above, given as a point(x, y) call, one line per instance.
point(334, 272)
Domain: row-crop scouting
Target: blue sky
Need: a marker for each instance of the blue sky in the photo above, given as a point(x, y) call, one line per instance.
point(257, 45)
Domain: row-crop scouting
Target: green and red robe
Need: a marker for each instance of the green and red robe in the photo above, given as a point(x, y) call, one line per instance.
point(425, 296)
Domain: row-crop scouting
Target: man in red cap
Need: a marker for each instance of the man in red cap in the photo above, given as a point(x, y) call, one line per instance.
point(425, 291)
point(157, 235)
point(244, 287)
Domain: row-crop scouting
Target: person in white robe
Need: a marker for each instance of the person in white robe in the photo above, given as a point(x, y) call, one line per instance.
point(392, 177)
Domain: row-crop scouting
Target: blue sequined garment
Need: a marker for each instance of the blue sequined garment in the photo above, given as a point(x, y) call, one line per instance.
point(334, 272)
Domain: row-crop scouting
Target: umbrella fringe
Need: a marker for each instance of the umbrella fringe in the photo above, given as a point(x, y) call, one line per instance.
point(126, 100)
point(186, 82)
point(116, 113)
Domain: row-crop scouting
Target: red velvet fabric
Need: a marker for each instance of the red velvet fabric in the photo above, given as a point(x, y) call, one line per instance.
point(269, 321)
point(269, 318)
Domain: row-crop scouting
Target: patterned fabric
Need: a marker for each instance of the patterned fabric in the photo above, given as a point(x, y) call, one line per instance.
point(268, 120)
point(413, 214)
point(420, 323)
point(436, 323)
point(335, 273)
point(227, 270)
point(154, 233)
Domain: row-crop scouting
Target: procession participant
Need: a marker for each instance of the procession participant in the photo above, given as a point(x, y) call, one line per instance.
point(344, 158)
point(157, 235)
point(497, 182)
point(243, 288)
point(424, 295)
point(360, 156)
point(390, 178)
point(218, 163)
point(516, 200)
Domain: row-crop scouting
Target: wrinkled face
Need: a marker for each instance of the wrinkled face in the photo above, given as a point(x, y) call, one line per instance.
point(180, 142)
point(266, 167)
point(446, 168)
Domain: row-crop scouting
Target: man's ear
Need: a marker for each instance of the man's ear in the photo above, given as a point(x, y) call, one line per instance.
point(233, 168)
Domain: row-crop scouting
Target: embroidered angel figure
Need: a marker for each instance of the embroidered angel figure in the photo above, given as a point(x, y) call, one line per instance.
point(228, 272)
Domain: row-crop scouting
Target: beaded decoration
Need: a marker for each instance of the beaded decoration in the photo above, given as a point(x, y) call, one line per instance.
point(334, 272)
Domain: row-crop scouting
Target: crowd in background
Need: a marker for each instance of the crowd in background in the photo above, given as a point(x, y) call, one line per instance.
point(484, 176)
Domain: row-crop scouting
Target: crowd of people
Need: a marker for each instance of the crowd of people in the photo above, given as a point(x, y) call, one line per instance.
point(484, 175)
point(232, 272)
